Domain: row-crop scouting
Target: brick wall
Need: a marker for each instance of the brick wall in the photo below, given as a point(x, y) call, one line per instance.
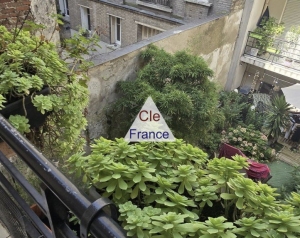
point(195, 11)
point(178, 7)
point(221, 6)
point(10, 10)
point(100, 13)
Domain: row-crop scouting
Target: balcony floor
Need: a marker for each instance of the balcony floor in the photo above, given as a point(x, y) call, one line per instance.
point(274, 67)
point(3, 232)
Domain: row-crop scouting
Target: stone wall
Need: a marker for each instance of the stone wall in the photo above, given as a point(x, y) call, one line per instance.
point(100, 12)
point(13, 12)
point(42, 11)
point(212, 38)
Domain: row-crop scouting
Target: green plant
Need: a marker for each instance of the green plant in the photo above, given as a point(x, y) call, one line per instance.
point(267, 32)
point(181, 88)
point(28, 64)
point(277, 118)
point(293, 34)
point(215, 201)
point(251, 142)
point(217, 228)
point(233, 105)
point(251, 227)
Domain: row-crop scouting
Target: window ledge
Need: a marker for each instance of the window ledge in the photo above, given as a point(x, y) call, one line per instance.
point(155, 6)
point(199, 2)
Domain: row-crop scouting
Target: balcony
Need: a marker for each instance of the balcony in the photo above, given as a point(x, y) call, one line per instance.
point(49, 216)
point(282, 57)
point(163, 5)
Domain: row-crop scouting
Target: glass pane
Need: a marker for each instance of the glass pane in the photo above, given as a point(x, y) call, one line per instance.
point(118, 29)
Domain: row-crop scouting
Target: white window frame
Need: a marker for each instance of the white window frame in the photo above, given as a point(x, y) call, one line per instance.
point(115, 28)
point(64, 7)
point(85, 13)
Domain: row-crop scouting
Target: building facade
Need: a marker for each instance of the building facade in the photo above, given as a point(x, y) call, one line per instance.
point(124, 22)
point(279, 65)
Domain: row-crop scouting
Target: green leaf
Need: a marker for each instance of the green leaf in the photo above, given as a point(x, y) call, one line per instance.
point(168, 226)
point(137, 178)
point(240, 203)
point(135, 192)
point(122, 184)
point(227, 196)
point(142, 186)
point(112, 186)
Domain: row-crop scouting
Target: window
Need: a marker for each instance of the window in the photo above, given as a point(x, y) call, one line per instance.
point(85, 18)
point(115, 29)
point(64, 7)
point(148, 32)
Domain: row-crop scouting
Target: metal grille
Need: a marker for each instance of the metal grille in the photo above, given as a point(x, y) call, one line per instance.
point(11, 216)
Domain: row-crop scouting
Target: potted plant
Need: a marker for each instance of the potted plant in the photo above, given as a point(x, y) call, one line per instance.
point(40, 94)
point(266, 34)
point(291, 45)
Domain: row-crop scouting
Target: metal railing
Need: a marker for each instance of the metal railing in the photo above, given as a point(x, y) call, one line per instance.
point(58, 197)
point(158, 2)
point(281, 52)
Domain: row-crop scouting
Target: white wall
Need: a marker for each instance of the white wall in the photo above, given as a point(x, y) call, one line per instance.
point(254, 17)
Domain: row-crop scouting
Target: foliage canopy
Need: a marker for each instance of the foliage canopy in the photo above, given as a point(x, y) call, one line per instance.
point(172, 190)
point(181, 88)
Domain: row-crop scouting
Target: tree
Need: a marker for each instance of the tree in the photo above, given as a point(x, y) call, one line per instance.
point(181, 88)
point(277, 117)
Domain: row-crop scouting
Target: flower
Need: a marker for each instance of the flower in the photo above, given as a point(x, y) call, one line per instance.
point(234, 139)
point(249, 144)
point(261, 155)
point(273, 152)
point(243, 130)
point(223, 132)
point(251, 134)
point(263, 137)
point(255, 147)
point(253, 152)
point(235, 131)
point(240, 139)
point(230, 134)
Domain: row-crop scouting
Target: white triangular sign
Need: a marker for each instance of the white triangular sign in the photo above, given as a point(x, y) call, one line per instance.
point(149, 125)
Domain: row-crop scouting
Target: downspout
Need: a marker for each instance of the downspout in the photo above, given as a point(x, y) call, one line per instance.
point(283, 10)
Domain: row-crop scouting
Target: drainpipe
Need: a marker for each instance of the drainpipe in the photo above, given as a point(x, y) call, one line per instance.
point(283, 10)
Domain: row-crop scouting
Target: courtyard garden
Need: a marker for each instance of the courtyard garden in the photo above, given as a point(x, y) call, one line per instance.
point(176, 189)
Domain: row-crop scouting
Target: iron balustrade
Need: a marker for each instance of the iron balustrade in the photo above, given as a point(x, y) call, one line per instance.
point(281, 52)
point(58, 196)
point(158, 2)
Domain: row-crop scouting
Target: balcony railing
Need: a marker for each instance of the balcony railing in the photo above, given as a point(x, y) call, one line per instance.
point(57, 199)
point(281, 52)
point(158, 2)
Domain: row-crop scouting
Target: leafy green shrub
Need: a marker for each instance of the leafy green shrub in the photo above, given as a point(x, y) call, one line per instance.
point(28, 64)
point(162, 190)
point(251, 142)
point(268, 31)
point(233, 105)
point(180, 86)
point(277, 118)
